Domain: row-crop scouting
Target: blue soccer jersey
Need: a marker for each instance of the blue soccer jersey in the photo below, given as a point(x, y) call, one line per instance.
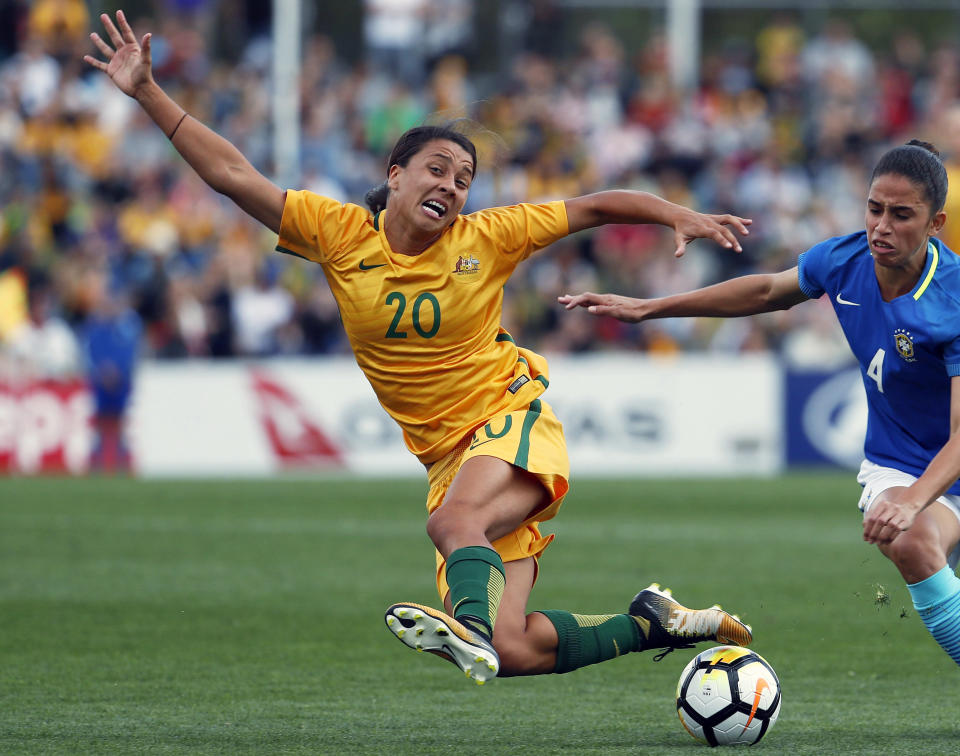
point(908, 348)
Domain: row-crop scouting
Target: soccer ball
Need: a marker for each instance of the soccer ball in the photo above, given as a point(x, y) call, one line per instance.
point(728, 695)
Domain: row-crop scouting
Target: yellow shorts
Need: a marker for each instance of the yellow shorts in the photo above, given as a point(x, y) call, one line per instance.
point(531, 439)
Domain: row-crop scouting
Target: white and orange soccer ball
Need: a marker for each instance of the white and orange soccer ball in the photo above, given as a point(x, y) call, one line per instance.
point(728, 695)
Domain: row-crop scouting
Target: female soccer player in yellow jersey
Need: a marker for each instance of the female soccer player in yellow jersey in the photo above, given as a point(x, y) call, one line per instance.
point(420, 290)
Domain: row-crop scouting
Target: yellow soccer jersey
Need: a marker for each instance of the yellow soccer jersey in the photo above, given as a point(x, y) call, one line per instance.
point(425, 329)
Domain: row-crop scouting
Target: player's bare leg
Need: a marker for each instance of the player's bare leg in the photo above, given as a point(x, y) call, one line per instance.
point(920, 554)
point(922, 550)
point(530, 643)
point(488, 498)
point(526, 643)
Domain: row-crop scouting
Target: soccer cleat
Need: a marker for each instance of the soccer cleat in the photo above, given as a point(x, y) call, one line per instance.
point(674, 626)
point(426, 629)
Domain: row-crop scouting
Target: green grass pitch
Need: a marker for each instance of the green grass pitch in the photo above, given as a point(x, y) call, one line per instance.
point(246, 617)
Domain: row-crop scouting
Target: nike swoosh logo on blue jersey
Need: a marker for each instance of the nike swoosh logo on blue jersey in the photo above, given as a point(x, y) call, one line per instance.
point(364, 266)
point(841, 300)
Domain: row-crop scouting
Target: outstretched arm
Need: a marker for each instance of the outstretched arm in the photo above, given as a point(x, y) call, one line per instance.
point(216, 160)
point(896, 509)
point(621, 206)
point(747, 295)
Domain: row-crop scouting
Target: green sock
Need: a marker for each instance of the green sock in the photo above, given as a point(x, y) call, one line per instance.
point(590, 638)
point(475, 577)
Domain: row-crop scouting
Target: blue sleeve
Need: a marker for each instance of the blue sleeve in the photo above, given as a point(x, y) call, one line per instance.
point(951, 356)
point(814, 265)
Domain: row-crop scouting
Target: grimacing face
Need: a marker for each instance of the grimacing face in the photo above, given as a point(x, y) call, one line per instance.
point(431, 190)
point(899, 220)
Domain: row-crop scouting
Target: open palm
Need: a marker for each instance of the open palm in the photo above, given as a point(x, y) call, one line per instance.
point(128, 62)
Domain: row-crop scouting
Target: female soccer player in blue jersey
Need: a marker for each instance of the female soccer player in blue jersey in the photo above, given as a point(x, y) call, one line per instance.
point(896, 291)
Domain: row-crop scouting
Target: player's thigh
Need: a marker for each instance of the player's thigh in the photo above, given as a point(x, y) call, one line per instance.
point(935, 531)
point(494, 494)
point(946, 523)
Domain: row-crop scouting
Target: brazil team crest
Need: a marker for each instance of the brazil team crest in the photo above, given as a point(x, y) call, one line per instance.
point(904, 342)
point(467, 265)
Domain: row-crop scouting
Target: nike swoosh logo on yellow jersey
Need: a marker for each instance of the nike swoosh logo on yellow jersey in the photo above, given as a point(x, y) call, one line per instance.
point(364, 266)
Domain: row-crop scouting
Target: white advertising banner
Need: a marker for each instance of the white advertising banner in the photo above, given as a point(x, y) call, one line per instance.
point(690, 415)
point(623, 415)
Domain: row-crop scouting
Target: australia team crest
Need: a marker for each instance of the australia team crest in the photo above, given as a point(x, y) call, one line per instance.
point(904, 341)
point(467, 265)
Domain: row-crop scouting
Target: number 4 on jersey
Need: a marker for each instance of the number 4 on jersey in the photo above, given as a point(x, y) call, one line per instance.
point(875, 370)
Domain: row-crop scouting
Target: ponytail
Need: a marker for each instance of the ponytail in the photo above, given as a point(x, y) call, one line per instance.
point(376, 198)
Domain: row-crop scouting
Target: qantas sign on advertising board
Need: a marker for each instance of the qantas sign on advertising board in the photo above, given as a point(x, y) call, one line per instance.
point(622, 416)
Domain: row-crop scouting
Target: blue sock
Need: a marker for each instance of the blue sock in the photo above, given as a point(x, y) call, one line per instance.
point(937, 601)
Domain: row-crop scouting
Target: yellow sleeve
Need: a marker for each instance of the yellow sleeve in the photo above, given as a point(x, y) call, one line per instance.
point(315, 227)
point(522, 229)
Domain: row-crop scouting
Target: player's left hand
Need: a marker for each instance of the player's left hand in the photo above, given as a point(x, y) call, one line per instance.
point(893, 512)
point(693, 225)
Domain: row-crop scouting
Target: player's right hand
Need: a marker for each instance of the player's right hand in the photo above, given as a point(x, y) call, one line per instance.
point(894, 512)
point(128, 62)
point(627, 309)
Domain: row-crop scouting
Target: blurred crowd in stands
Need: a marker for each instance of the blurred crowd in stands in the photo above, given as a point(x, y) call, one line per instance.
point(100, 219)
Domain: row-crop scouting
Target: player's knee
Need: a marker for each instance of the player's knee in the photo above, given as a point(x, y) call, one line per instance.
point(437, 526)
point(451, 519)
point(915, 555)
point(444, 524)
